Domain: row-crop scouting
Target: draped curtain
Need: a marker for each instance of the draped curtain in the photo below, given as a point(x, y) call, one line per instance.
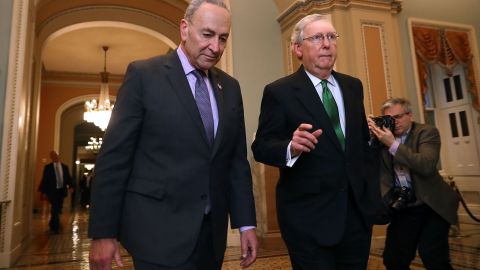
point(446, 48)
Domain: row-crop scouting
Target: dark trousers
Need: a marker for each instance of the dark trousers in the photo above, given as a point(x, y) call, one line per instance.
point(350, 254)
point(56, 203)
point(202, 258)
point(414, 227)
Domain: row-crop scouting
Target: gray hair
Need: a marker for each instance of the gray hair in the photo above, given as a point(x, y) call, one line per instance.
point(195, 5)
point(297, 34)
point(396, 101)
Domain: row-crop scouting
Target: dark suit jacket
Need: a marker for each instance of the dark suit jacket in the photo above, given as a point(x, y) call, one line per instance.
point(156, 172)
point(48, 184)
point(421, 153)
point(312, 195)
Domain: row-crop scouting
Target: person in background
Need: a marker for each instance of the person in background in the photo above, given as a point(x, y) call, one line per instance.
point(422, 204)
point(54, 185)
point(173, 164)
point(84, 185)
point(313, 127)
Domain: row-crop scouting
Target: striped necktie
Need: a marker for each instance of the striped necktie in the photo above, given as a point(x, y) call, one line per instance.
point(203, 103)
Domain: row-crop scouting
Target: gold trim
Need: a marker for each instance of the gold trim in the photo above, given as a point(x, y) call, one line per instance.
point(300, 8)
point(386, 69)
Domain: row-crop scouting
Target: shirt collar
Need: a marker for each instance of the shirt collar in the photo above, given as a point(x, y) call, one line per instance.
point(187, 67)
point(316, 81)
point(404, 136)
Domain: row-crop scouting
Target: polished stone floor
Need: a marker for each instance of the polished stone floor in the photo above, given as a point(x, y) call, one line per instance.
point(69, 249)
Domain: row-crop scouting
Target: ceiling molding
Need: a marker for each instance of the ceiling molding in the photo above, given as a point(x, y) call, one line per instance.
point(92, 14)
point(301, 8)
point(84, 80)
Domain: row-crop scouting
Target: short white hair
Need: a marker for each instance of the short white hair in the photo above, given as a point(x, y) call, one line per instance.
point(297, 34)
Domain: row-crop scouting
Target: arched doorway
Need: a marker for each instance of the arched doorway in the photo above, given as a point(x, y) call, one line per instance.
point(69, 47)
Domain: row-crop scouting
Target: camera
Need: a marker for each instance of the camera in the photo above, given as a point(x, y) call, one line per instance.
point(385, 121)
point(400, 197)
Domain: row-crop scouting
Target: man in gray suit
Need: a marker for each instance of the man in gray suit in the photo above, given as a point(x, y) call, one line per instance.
point(423, 205)
point(173, 164)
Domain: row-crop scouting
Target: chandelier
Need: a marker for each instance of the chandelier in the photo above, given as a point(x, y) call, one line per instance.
point(94, 145)
point(99, 112)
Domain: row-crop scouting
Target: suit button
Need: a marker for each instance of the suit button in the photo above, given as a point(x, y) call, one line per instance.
point(204, 196)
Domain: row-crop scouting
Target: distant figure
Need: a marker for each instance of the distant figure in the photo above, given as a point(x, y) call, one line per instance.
point(56, 178)
point(85, 184)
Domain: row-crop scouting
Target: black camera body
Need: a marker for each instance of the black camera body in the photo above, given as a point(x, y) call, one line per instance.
point(385, 121)
point(400, 197)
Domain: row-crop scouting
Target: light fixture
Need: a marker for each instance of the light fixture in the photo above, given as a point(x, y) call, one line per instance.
point(89, 167)
point(99, 112)
point(94, 145)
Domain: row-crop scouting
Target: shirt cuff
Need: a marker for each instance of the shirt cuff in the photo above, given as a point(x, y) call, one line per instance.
point(290, 160)
point(393, 148)
point(246, 228)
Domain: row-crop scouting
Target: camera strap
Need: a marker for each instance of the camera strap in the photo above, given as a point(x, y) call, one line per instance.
point(401, 173)
point(401, 176)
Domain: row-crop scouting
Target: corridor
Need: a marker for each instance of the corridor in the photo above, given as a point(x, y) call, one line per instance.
point(69, 249)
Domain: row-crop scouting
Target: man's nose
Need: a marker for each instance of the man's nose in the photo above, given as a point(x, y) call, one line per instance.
point(215, 45)
point(325, 42)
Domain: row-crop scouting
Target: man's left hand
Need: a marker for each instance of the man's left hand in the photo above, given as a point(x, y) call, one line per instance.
point(249, 246)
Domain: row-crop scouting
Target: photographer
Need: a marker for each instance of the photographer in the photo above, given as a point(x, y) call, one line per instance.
point(422, 205)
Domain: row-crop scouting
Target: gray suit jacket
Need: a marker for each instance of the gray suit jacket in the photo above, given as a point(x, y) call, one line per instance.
point(421, 153)
point(156, 172)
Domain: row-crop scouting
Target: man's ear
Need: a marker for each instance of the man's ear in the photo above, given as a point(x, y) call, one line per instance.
point(183, 29)
point(297, 50)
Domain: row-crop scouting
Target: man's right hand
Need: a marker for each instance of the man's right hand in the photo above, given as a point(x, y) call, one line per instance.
point(102, 252)
point(383, 134)
point(303, 140)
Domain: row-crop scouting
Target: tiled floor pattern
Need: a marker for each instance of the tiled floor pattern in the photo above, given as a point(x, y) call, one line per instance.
point(69, 249)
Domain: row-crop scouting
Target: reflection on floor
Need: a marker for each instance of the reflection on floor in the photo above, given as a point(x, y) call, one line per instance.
point(69, 249)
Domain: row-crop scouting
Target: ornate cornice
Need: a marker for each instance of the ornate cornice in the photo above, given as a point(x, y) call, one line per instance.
point(301, 8)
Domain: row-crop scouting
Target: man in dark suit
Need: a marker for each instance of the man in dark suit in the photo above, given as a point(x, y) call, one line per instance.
point(84, 186)
point(56, 178)
point(313, 127)
point(421, 216)
point(172, 168)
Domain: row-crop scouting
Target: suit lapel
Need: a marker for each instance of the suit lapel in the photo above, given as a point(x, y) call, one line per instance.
point(348, 105)
point(218, 92)
point(308, 96)
point(179, 82)
point(411, 139)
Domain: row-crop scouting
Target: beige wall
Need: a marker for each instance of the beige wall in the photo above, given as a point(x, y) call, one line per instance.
point(257, 54)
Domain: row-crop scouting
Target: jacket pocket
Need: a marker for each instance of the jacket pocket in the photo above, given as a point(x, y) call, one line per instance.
point(148, 187)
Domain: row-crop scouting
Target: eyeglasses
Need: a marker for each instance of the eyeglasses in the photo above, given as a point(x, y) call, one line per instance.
point(400, 115)
point(320, 37)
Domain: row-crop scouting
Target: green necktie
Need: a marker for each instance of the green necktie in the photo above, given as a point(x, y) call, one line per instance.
point(332, 111)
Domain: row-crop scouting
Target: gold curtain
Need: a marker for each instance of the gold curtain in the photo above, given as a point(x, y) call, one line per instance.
point(446, 48)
